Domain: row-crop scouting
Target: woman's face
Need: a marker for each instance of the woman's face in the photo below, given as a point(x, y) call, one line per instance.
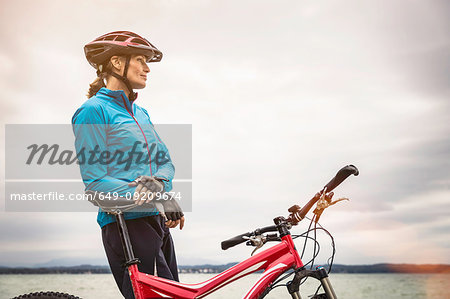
point(137, 71)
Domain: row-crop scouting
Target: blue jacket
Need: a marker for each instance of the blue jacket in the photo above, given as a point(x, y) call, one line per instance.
point(114, 140)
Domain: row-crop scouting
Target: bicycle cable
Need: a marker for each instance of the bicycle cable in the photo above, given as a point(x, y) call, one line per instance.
point(333, 245)
point(315, 238)
point(274, 285)
point(306, 239)
point(331, 258)
point(304, 247)
point(316, 252)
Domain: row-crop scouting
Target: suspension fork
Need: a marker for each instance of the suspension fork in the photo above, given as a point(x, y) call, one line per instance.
point(293, 286)
point(326, 284)
point(319, 274)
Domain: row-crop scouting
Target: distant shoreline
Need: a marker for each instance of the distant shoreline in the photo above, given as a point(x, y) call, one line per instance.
point(350, 269)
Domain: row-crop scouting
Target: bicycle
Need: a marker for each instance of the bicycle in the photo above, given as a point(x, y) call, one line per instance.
point(277, 263)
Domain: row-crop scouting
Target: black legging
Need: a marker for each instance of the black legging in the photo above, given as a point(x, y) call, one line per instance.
point(151, 241)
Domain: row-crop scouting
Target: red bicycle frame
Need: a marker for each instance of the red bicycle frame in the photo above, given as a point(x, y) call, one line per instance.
point(274, 261)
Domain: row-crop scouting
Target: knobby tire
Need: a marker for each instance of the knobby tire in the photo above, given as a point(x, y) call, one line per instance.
point(46, 295)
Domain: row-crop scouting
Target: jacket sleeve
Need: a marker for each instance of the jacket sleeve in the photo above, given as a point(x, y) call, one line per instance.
point(90, 127)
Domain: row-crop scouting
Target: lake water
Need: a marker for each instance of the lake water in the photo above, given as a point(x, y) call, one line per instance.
point(352, 286)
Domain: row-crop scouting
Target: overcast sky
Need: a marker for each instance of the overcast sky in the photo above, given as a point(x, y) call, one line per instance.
point(280, 95)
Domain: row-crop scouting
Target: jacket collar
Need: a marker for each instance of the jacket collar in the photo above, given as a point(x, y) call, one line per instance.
point(118, 95)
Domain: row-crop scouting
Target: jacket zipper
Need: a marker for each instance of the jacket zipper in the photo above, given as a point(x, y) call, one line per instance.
point(146, 142)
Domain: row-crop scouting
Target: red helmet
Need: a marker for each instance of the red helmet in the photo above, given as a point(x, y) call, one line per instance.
point(102, 48)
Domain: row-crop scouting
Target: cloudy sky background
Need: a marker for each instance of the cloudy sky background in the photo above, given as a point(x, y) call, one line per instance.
point(280, 94)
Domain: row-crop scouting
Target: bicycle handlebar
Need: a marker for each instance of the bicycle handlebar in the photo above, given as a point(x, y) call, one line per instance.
point(234, 241)
point(240, 238)
point(271, 228)
point(340, 176)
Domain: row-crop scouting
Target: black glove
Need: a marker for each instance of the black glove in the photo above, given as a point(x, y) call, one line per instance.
point(166, 205)
point(172, 209)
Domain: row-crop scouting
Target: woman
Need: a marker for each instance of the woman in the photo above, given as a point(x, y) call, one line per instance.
point(129, 158)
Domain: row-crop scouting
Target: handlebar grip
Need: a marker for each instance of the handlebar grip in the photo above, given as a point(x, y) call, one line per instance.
point(340, 176)
point(234, 241)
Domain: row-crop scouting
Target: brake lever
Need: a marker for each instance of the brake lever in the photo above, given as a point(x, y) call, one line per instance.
point(257, 241)
point(325, 202)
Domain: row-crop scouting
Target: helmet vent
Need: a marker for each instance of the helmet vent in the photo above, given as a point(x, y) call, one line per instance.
point(132, 34)
point(121, 38)
point(139, 41)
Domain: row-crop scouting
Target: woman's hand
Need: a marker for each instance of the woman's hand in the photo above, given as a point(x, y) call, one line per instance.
point(173, 224)
point(146, 188)
point(173, 213)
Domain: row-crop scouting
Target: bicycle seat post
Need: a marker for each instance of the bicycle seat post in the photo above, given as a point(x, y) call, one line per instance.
point(125, 238)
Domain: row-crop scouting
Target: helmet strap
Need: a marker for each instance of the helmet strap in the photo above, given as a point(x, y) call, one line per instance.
point(132, 96)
